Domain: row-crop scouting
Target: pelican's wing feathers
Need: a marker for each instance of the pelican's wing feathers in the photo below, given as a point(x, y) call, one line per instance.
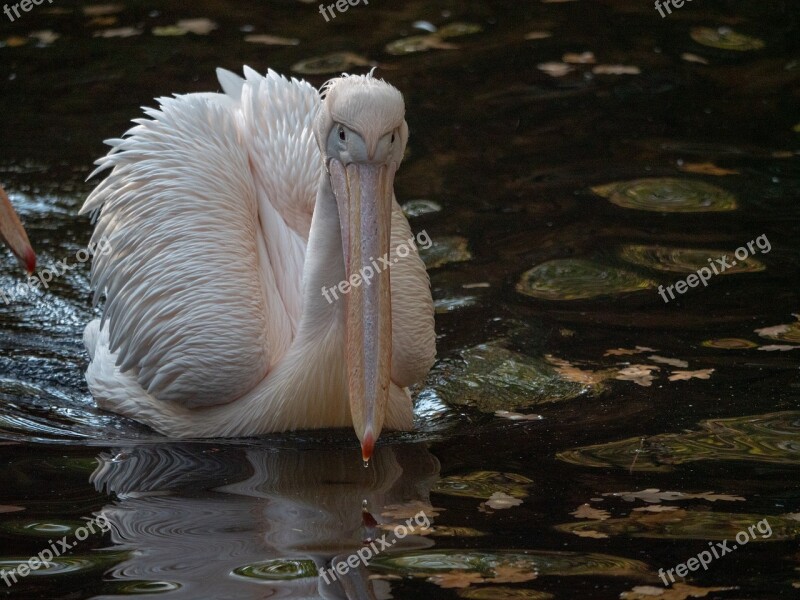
point(198, 196)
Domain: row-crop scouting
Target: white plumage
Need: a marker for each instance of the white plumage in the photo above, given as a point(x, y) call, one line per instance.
point(223, 229)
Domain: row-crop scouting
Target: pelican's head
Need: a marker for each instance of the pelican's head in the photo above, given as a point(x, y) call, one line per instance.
point(362, 134)
point(13, 234)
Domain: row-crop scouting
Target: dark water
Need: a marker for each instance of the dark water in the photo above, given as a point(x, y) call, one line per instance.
point(511, 154)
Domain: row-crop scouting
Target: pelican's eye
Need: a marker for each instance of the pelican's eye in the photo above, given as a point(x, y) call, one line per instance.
point(342, 135)
point(391, 141)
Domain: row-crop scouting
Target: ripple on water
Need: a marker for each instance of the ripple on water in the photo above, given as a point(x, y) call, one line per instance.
point(429, 563)
point(769, 438)
point(668, 194)
point(683, 260)
point(579, 279)
point(688, 525)
point(279, 569)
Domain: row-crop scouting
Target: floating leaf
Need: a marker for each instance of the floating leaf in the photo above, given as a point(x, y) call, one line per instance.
point(730, 344)
point(120, 32)
point(582, 376)
point(627, 352)
point(200, 26)
point(638, 374)
point(789, 332)
point(679, 591)
point(584, 58)
point(667, 195)
point(686, 375)
point(656, 508)
point(655, 496)
point(44, 37)
point(458, 29)
point(778, 348)
point(706, 168)
point(418, 43)
point(579, 279)
point(771, 438)
point(538, 35)
point(684, 260)
point(674, 362)
point(555, 69)
point(456, 579)
point(336, 62)
point(513, 574)
point(586, 511)
point(590, 533)
point(686, 525)
point(169, 31)
point(409, 510)
point(501, 501)
point(694, 58)
point(445, 531)
point(616, 70)
point(100, 10)
point(271, 40)
point(725, 38)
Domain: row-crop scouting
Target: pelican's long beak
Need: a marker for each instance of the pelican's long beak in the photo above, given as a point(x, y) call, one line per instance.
point(364, 197)
point(13, 234)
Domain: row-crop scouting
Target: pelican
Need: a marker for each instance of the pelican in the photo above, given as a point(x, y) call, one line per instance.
point(12, 233)
point(228, 216)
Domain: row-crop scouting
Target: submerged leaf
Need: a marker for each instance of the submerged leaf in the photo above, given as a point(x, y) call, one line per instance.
point(684, 260)
point(336, 62)
point(586, 511)
point(501, 501)
point(679, 591)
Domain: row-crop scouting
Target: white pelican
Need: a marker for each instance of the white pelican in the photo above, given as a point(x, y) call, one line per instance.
point(227, 216)
point(12, 233)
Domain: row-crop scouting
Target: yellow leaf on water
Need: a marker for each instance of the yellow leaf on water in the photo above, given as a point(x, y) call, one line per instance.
point(200, 26)
point(694, 58)
point(513, 416)
point(99, 10)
